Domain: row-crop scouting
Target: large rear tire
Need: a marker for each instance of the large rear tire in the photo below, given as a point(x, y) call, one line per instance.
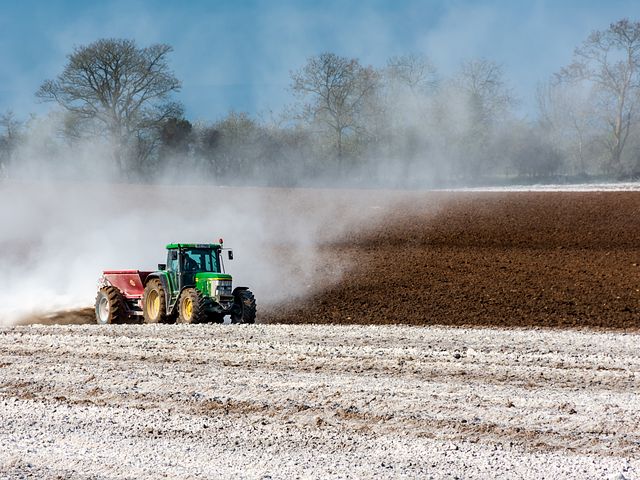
point(110, 306)
point(191, 308)
point(154, 303)
point(244, 307)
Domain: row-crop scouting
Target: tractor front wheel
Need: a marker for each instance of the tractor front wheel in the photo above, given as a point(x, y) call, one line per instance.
point(244, 307)
point(154, 302)
point(110, 306)
point(191, 307)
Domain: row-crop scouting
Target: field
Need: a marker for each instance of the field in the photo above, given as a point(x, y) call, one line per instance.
point(425, 335)
point(551, 259)
point(277, 401)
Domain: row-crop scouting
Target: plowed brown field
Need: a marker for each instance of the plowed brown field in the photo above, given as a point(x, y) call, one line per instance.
point(505, 259)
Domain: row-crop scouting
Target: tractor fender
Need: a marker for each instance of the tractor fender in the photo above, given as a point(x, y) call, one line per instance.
point(239, 289)
point(165, 286)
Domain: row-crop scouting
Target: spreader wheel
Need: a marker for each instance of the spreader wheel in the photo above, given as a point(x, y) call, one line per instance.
point(154, 302)
point(191, 307)
point(110, 306)
point(244, 307)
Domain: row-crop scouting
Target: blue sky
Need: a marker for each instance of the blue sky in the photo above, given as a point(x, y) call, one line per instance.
point(238, 54)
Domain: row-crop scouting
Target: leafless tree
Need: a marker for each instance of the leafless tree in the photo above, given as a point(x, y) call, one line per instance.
point(609, 60)
point(116, 88)
point(480, 102)
point(399, 123)
point(483, 82)
point(10, 124)
point(9, 133)
point(408, 85)
point(336, 91)
point(413, 71)
point(567, 119)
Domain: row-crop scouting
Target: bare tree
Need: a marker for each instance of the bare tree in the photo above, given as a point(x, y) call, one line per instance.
point(8, 139)
point(407, 87)
point(413, 71)
point(484, 101)
point(567, 118)
point(483, 82)
point(117, 88)
point(337, 91)
point(609, 60)
point(404, 102)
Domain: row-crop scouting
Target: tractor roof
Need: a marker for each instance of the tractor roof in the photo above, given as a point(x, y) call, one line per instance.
point(194, 245)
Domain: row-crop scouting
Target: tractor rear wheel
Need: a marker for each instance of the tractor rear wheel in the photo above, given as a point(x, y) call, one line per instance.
point(244, 307)
point(110, 306)
point(154, 302)
point(191, 307)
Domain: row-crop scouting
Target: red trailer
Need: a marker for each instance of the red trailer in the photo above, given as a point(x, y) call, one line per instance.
point(130, 284)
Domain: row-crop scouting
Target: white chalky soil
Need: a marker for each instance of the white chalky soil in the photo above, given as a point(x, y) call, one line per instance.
point(272, 401)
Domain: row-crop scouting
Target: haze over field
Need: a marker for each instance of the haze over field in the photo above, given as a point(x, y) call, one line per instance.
point(62, 236)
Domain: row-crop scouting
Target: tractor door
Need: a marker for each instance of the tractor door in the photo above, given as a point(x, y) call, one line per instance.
point(188, 269)
point(172, 271)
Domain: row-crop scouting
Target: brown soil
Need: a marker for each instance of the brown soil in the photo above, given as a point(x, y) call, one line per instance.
point(503, 259)
point(79, 316)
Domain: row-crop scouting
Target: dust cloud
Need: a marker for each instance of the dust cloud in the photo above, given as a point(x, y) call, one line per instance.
point(57, 238)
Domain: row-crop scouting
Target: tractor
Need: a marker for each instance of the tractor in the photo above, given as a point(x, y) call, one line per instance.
point(190, 288)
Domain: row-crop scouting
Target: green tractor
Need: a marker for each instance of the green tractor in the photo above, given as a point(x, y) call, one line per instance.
point(190, 288)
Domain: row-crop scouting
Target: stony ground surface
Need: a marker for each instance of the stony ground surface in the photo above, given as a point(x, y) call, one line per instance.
point(302, 401)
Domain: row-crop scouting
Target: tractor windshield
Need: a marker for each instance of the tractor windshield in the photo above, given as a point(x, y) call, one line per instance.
point(200, 260)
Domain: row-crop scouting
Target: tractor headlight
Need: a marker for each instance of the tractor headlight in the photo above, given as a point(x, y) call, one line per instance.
point(220, 287)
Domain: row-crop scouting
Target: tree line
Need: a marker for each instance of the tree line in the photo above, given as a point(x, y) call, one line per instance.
point(402, 124)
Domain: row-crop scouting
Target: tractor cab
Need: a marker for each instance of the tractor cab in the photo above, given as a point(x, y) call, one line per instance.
point(185, 261)
point(196, 258)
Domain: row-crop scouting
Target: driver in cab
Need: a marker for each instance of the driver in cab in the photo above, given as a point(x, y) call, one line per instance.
point(190, 265)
